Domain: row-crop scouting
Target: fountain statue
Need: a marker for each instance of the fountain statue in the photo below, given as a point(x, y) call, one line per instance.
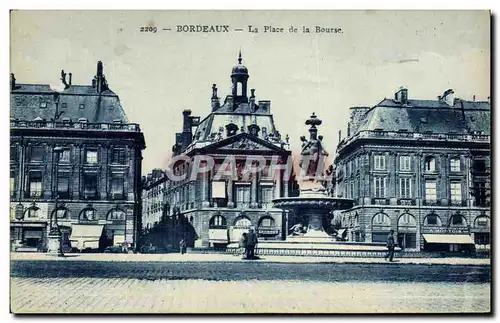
point(313, 206)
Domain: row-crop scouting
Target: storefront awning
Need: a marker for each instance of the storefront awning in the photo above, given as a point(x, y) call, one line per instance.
point(86, 236)
point(448, 238)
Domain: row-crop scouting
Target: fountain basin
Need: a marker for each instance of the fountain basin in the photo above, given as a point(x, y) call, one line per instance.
point(312, 207)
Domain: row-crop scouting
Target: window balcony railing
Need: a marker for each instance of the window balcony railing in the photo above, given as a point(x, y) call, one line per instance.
point(458, 203)
point(89, 195)
point(116, 196)
point(431, 202)
point(379, 201)
point(66, 125)
point(403, 135)
point(33, 194)
point(406, 201)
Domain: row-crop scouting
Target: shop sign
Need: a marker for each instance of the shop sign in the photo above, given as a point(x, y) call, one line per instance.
point(449, 230)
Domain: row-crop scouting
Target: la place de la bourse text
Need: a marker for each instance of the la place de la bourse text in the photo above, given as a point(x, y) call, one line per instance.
point(269, 29)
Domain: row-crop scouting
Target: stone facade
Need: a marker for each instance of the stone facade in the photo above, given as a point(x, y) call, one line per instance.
point(417, 167)
point(73, 151)
point(219, 210)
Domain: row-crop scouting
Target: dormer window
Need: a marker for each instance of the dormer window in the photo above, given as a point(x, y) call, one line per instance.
point(231, 129)
point(254, 129)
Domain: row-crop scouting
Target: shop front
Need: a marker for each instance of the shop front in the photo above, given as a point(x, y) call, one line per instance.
point(448, 240)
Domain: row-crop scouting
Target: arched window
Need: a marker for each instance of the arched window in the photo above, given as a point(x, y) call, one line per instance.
point(88, 214)
point(242, 222)
point(381, 225)
point(381, 219)
point(61, 212)
point(457, 220)
point(266, 221)
point(407, 220)
point(430, 164)
point(116, 214)
point(217, 221)
point(432, 219)
point(482, 222)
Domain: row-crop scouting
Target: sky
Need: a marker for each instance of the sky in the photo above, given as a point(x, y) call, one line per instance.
point(157, 75)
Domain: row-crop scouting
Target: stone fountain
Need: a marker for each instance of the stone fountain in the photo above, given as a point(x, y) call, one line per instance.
point(313, 205)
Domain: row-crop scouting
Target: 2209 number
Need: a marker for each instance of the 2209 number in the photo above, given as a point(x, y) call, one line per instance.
point(148, 29)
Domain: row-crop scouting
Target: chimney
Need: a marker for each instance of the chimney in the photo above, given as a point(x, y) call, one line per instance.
point(401, 96)
point(100, 80)
point(448, 97)
point(12, 82)
point(187, 135)
point(253, 108)
point(215, 99)
point(70, 77)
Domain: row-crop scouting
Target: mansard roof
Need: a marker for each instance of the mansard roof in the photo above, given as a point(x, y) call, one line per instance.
point(428, 116)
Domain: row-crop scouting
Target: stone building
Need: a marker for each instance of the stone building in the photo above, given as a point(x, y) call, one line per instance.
point(74, 156)
point(154, 187)
point(419, 167)
point(219, 210)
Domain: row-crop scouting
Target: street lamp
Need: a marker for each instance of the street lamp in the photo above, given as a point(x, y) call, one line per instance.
point(54, 238)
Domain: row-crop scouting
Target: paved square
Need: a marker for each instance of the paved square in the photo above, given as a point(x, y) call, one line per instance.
point(126, 295)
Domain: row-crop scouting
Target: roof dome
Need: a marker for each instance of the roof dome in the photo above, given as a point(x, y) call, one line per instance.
point(240, 68)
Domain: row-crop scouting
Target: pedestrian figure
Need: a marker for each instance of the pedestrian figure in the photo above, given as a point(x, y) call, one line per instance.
point(251, 243)
point(390, 246)
point(243, 246)
point(182, 246)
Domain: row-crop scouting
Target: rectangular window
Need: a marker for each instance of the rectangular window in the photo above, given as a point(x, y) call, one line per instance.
point(13, 153)
point(117, 186)
point(404, 163)
point(430, 191)
point(379, 162)
point(90, 185)
point(63, 185)
point(64, 156)
point(37, 153)
point(219, 189)
point(351, 189)
point(405, 188)
point(118, 156)
point(456, 192)
point(12, 183)
point(35, 184)
point(267, 194)
point(242, 194)
point(455, 165)
point(380, 185)
point(91, 156)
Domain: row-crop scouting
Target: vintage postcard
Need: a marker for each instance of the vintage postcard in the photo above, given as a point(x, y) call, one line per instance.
point(250, 162)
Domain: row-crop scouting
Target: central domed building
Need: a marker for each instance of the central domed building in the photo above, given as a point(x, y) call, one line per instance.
point(212, 210)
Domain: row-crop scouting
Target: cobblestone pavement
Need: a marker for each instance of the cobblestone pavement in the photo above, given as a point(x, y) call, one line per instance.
point(130, 295)
point(211, 284)
point(230, 258)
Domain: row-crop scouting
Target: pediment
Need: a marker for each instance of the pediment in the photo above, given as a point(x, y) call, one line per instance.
point(245, 142)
